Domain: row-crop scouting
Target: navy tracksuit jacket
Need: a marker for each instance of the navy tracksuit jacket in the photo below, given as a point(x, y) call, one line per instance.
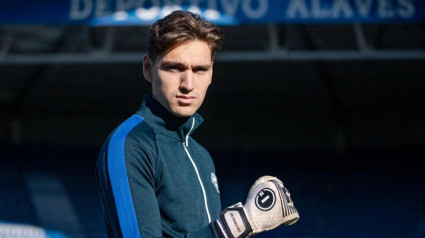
point(155, 180)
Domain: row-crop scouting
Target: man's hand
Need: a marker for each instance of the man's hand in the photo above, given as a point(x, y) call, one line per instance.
point(268, 206)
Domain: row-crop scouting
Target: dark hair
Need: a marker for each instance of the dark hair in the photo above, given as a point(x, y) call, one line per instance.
point(178, 28)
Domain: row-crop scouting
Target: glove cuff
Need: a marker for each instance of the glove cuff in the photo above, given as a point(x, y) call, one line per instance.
point(233, 223)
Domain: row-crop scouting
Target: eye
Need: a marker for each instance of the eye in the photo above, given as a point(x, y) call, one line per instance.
point(170, 67)
point(174, 68)
point(200, 70)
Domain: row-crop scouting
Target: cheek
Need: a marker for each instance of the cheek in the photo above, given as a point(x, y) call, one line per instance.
point(163, 83)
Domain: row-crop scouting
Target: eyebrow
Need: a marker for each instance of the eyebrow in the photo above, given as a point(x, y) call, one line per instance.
point(168, 64)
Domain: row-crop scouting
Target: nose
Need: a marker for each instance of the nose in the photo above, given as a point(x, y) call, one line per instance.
point(187, 82)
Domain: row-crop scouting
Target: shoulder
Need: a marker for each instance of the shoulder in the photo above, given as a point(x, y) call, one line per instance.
point(134, 134)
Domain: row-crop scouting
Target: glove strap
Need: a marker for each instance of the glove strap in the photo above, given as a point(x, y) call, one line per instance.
point(233, 223)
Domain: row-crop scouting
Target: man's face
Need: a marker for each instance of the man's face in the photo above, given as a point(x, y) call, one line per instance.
point(181, 77)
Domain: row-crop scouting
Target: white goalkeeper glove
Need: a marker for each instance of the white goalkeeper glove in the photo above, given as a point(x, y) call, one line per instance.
point(268, 206)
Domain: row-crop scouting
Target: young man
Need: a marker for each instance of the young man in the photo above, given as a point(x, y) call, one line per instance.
point(155, 180)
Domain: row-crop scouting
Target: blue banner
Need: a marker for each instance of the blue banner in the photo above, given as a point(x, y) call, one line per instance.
point(221, 12)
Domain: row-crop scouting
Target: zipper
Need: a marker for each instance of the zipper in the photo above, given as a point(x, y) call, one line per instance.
point(185, 146)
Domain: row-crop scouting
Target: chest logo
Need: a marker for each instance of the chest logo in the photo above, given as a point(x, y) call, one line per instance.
point(214, 181)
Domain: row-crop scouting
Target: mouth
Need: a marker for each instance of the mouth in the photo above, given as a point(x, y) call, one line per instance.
point(185, 100)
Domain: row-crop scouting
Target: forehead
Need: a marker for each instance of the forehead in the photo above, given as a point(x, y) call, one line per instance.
point(193, 52)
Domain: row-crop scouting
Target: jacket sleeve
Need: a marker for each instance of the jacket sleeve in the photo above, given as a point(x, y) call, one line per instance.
point(126, 178)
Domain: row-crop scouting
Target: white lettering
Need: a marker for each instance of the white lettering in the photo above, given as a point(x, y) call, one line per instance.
point(341, 6)
point(364, 7)
point(148, 10)
point(317, 11)
point(80, 9)
point(262, 8)
point(385, 9)
point(297, 7)
point(407, 9)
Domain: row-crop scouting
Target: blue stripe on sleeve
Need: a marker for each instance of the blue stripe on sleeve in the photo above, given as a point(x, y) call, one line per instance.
point(119, 180)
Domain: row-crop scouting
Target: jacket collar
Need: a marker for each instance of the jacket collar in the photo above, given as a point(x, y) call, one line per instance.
point(163, 121)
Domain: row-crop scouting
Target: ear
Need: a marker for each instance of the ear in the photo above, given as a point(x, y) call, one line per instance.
point(147, 68)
